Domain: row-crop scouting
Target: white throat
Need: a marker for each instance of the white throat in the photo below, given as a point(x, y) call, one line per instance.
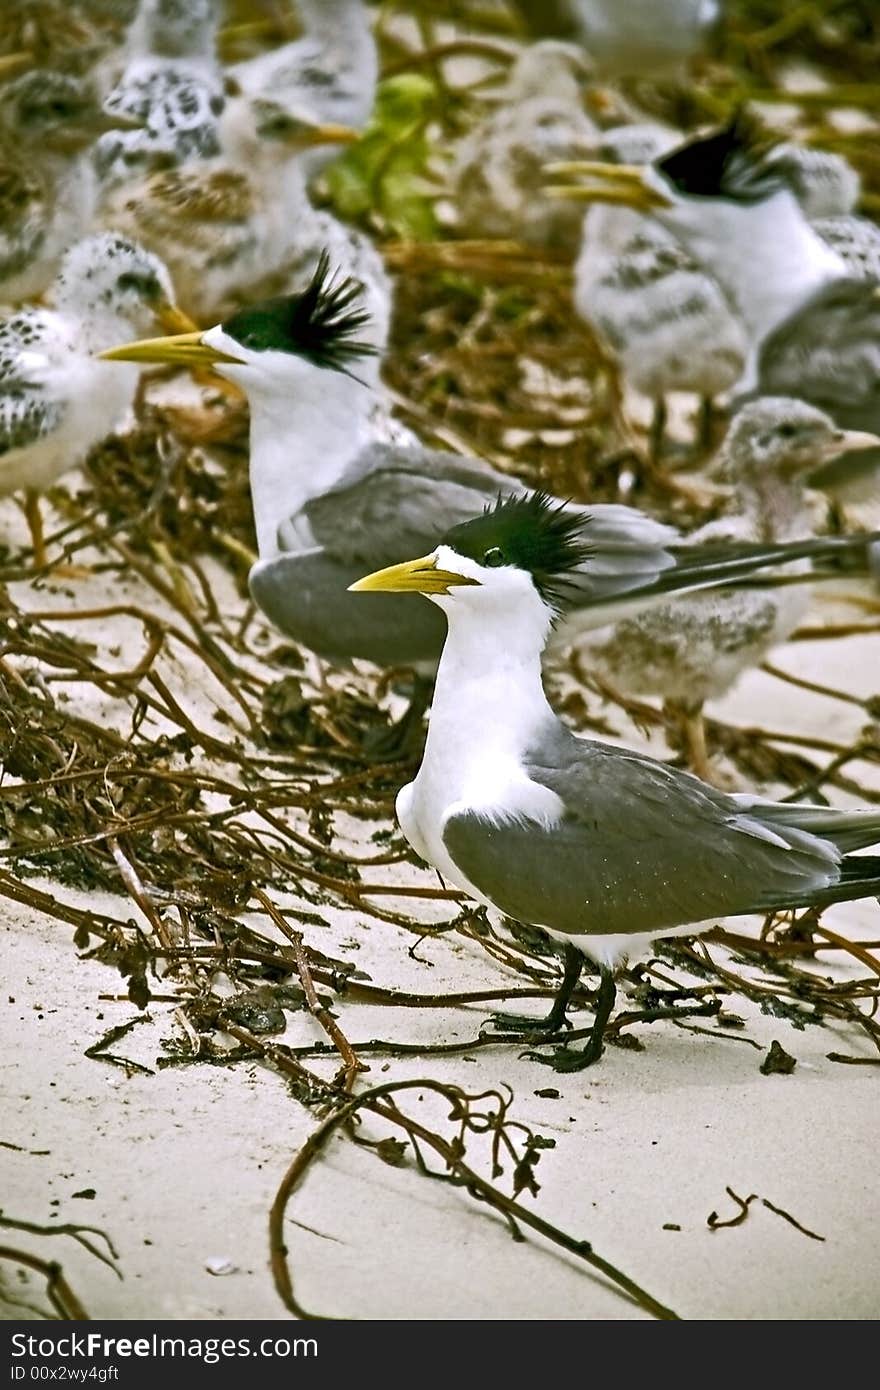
point(488, 709)
point(489, 703)
point(302, 441)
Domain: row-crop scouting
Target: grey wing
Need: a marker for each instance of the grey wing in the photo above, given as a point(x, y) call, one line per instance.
point(403, 500)
point(628, 550)
point(394, 505)
point(305, 594)
point(639, 847)
point(828, 353)
point(397, 504)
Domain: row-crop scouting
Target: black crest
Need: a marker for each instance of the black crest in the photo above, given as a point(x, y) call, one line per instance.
point(319, 324)
point(537, 533)
point(733, 162)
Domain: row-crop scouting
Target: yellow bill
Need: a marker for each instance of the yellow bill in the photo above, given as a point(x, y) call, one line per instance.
point(327, 134)
point(414, 576)
point(180, 349)
point(174, 320)
point(628, 184)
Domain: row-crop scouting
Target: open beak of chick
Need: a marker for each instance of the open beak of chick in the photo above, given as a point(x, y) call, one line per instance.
point(420, 576)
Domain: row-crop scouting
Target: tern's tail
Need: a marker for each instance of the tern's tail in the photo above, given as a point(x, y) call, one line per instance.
point(859, 878)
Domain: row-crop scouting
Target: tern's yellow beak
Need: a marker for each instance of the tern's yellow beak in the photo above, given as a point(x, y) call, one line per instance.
point(181, 349)
point(413, 576)
point(307, 135)
point(628, 184)
point(174, 320)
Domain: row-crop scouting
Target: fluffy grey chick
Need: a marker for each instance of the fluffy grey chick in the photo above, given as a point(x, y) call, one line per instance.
point(498, 175)
point(48, 189)
point(694, 649)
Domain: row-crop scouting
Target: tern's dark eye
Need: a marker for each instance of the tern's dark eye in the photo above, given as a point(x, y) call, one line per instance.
point(787, 431)
point(494, 557)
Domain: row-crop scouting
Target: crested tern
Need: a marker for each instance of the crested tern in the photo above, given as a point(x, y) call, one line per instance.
point(601, 847)
point(330, 499)
point(56, 399)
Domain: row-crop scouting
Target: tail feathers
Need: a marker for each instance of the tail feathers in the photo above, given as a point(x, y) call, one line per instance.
point(700, 567)
point(612, 593)
point(861, 868)
point(847, 830)
point(859, 878)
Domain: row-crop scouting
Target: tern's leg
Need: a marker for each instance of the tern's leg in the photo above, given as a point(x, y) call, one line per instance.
point(690, 724)
point(706, 425)
point(693, 727)
point(657, 431)
point(35, 525)
point(575, 1059)
point(521, 1023)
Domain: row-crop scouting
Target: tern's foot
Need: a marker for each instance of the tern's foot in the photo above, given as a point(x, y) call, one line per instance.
point(566, 1059)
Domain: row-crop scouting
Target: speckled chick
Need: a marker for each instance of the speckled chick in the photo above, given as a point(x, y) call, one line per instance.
point(48, 188)
point(56, 399)
point(695, 648)
point(498, 172)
